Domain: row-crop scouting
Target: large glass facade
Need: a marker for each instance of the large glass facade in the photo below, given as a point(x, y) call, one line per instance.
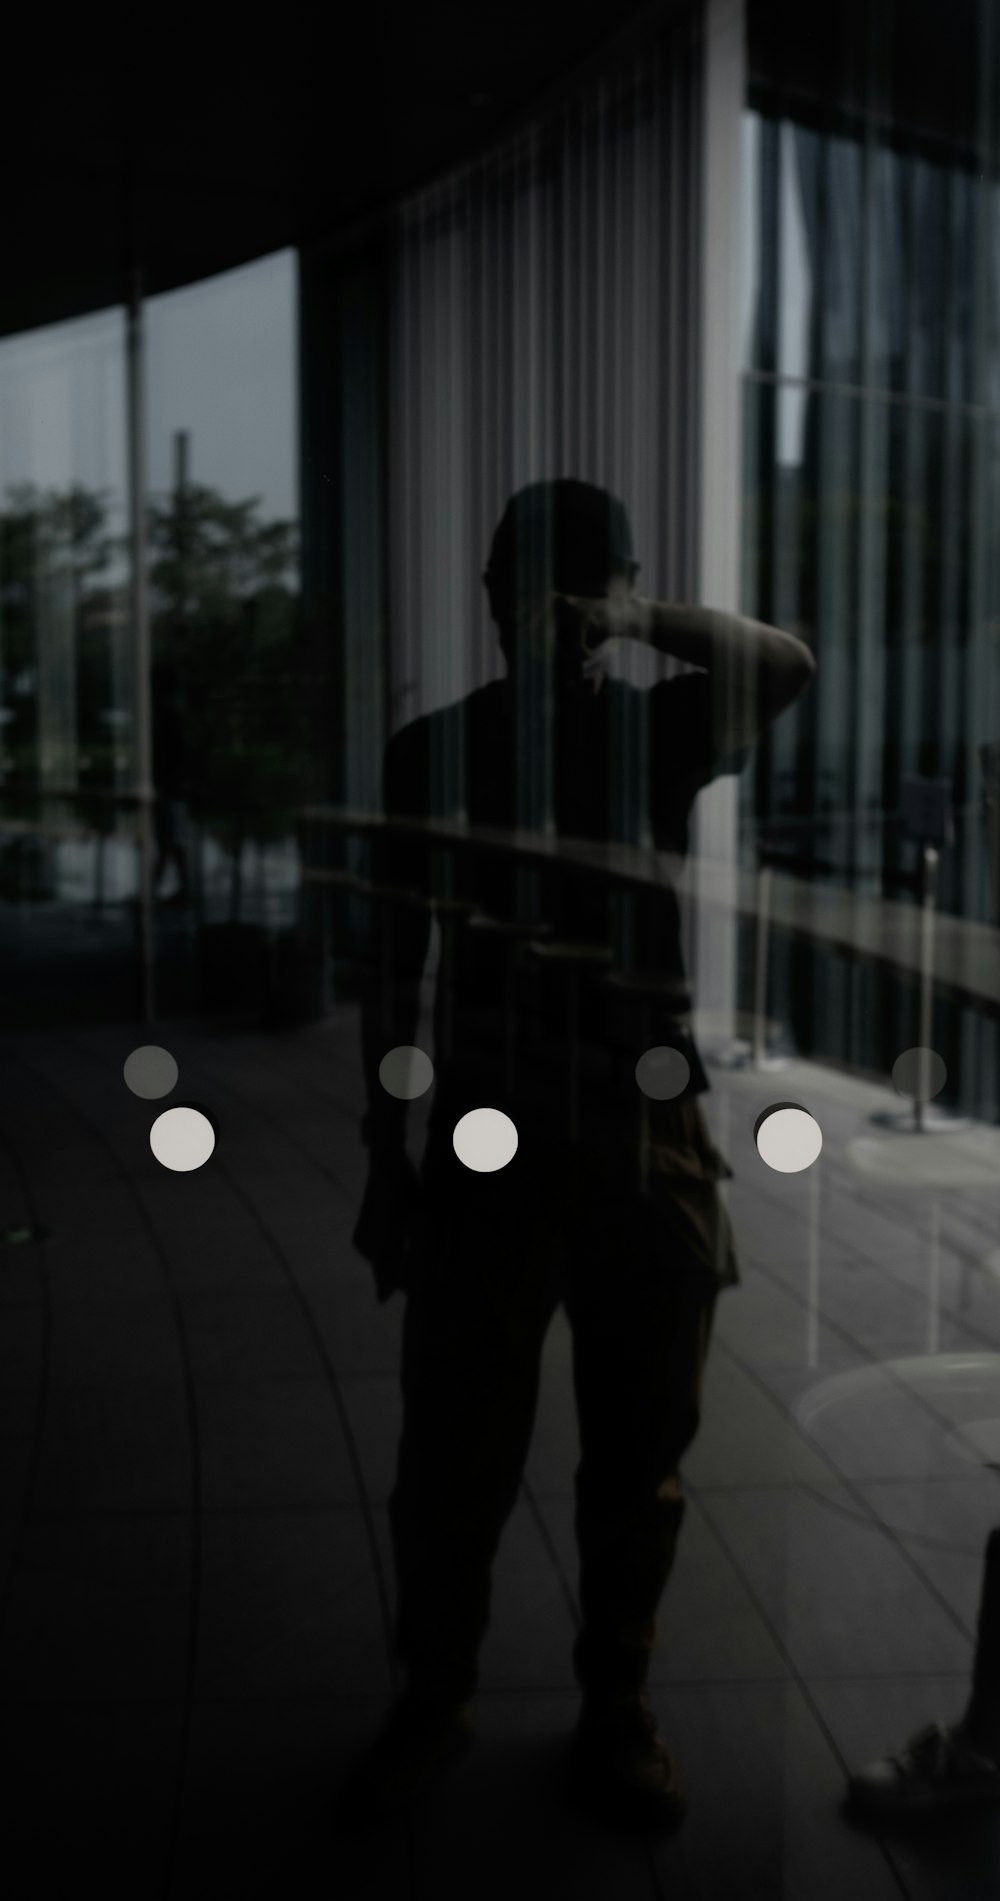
point(220, 556)
point(222, 521)
point(870, 495)
point(500, 1136)
point(66, 747)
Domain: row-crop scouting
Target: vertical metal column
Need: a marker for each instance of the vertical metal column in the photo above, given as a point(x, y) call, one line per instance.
point(925, 1033)
point(813, 1271)
point(141, 654)
point(718, 472)
point(760, 966)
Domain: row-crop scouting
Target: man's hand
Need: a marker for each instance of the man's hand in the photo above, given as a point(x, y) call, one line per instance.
point(595, 625)
point(388, 1224)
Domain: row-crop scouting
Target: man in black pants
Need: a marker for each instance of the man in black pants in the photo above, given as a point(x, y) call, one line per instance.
point(948, 1766)
point(552, 983)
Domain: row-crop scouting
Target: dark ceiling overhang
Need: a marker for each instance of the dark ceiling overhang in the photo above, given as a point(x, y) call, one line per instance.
point(918, 74)
point(213, 139)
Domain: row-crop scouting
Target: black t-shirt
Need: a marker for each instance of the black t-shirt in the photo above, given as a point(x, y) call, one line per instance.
point(517, 1028)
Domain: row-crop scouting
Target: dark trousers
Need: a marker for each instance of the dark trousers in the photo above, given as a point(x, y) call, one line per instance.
point(500, 1255)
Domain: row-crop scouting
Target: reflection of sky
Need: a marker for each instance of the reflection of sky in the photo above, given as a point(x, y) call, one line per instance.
point(221, 362)
point(750, 228)
point(62, 404)
point(796, 302)
point(795, 283)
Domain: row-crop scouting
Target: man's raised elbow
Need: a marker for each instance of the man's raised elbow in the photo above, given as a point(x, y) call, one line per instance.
point(797, 671)
point(787, 681)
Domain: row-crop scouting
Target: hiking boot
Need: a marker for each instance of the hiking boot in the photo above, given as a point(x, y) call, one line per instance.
point(938, 1769)
point(421, 1736)
point(622, 1768)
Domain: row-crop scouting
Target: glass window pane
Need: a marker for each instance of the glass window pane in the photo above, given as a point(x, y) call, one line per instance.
point(801, 258)
point(842, 261)
point(63, 600)
point(930, 284)
point(229, 711)
point(887, 346)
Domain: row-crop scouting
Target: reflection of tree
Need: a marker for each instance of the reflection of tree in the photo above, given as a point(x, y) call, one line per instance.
point(225, 625)
point(209, 554)
point(50, 540)
point(65, 526)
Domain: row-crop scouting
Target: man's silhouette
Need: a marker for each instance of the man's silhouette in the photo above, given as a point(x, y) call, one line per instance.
point(555, 977)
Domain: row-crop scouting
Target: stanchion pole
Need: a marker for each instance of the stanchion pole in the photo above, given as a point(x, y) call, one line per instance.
point(812, 1291)
point(142, 690)
point(926, 1030)
point(934, 1280)
point(760, 966)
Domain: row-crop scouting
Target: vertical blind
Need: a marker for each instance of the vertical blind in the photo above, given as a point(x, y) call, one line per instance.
point(544, 303)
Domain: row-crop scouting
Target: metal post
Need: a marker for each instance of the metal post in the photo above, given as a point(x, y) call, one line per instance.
point(813, 1271)
point(926, 1030)
point(934, 1280)
point(760, 966)
point(925, 1120)
point(142, 692)
point(181, 447)
point(717, 393)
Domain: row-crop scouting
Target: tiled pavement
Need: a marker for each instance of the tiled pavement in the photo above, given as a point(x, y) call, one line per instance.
point(198, 1419)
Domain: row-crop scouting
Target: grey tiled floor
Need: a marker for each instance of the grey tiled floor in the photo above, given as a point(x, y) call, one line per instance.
point(199, 1413)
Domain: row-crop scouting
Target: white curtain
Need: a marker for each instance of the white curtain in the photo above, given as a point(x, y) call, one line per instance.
point(544, 306)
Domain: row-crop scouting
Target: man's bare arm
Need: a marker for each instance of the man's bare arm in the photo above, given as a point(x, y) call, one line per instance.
point(760, 670)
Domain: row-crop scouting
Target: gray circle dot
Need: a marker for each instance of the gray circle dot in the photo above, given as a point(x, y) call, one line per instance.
point(662, 1073)
point(406, 1072)
point(920, 1074)
point(150, 1072)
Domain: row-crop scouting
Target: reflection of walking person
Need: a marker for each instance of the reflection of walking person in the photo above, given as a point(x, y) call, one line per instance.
point(611, 1204)
point(170, 775)
point(947, 1766)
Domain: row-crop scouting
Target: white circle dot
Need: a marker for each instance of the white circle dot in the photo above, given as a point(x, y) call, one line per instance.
point(485, 1140)
point(663, 1073)
point(405, 1072)
point(182, 1139)
point(150, 1071)
point(920, 1074)
point(788, 1138)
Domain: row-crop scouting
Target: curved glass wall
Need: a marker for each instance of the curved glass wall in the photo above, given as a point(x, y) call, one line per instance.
point(562, 1167)
point(66, 674)
point(871, 459)
point(221, 561)
point(222, 523)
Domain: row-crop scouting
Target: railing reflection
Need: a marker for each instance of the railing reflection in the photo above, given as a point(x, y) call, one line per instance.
point(315, 880)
